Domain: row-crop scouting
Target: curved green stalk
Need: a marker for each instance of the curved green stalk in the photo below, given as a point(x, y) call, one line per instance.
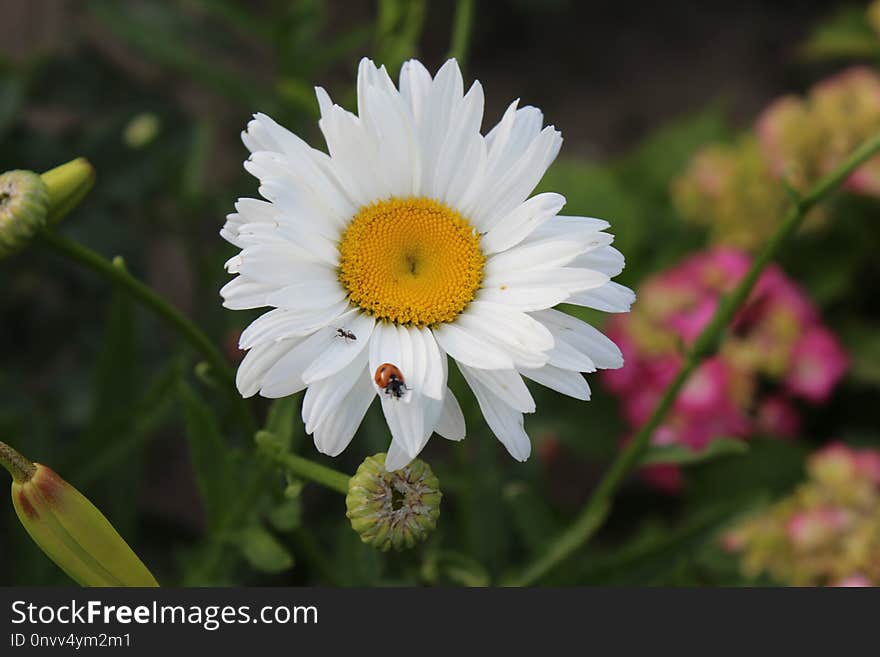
point(598, 506)
point(145, 295)
point(462, 26)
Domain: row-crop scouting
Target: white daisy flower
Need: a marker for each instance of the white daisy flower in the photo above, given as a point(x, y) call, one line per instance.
point(415, 239)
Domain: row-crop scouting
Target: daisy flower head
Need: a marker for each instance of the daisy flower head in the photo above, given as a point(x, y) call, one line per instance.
point(413, 239)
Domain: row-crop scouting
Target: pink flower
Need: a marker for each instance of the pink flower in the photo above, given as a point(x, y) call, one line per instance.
point(664, 477)
point(818, 363)
point(853, 581)
point(688, 325)
point(811, 528)
point(776, 345)
point(778, 417)
point(868, 464)
point(706, 390)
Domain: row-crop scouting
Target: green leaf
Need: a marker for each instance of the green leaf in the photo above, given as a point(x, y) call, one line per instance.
point(683, 455)
point(263, 551)
point(449, 567)
point(863, 344)
point(287, 515)
point(163, 35)
point(210, 455)
point(398, 29)
point(132, 427)
point(769, 469)
point(530, 515)
point(11, 98)
point(846, 35)
point(116, 375)
point(284, 423)
point(656, 555)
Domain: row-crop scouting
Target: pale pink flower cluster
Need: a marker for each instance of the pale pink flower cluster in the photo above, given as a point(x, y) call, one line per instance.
point(805, 138)
point(738, 189)
point(776, 351)
point(827, 532)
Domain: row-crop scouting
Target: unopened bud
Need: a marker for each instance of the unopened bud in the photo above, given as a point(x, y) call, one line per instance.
point(68, 185)
point(69, 528)
point(393, 509)
point(24, 206)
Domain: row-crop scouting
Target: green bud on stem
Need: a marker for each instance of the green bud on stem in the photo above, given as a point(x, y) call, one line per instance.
point(393, 509)
point(29, 202)
point(69, 528)
point(68, 185)
point(24, 203)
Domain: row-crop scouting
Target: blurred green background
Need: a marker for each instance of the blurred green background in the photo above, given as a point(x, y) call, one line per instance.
point(155, 94)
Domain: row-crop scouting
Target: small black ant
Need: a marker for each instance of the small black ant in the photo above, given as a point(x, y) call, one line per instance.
point(345, 335)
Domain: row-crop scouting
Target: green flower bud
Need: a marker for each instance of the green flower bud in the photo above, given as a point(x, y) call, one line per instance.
point(141, 130)
point(69, 529)
point(68, 185)
point(24, 206)
point(393, 509)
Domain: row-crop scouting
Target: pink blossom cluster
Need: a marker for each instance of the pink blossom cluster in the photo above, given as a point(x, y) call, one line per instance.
point(805, 138)
point(827, 532)
point(776, 351)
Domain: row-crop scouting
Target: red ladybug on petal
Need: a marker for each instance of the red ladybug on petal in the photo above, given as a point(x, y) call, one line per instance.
point(390, 379)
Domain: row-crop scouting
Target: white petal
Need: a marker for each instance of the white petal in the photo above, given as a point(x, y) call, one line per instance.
point(567, 382)
point(583, 337)
point(285, 377)
point(446, 94)
point(524, 298)
point(610, 298)
point(335, 432)
point(459, 157)
point(323, 397)
point(566, 227)
point(508, 386)
point(435, 366)
point(283, 323)
point(354, 153)
point(505, 422)
point(514, 177)
point(259, 360)
point(343, 350)
point(605, 259)
point(320, 250)
point(525, 339)
point(385, 348)
point(519, 224)
point(242, 293)
point(298, 211)
point(311, 182)
point(567, 357)
point(471, 349)
point(308, 296)
point(411, 424)
point(528, 257)
point(282, 264)
point(571, 279)
point(397, 457)
point(415, 85)
point(451, 424)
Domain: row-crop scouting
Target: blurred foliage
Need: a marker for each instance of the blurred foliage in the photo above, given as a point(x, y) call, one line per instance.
point(155, 95)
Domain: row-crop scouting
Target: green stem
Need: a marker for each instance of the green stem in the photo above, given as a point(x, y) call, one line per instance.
point(144, 294)
point(320, 474)
point(17, 465)
point(461, 30)
point(598, 506)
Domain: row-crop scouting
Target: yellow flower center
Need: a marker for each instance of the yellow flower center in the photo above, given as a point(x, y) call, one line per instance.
point(410, 261)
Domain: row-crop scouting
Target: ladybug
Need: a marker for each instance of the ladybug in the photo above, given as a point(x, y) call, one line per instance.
point(390, 379)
